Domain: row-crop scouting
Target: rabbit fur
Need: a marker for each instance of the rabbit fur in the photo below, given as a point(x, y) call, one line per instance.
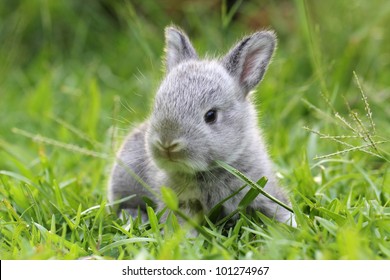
point(202, 113)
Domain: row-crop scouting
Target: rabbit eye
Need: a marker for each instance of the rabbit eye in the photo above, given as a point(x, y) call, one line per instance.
point(210, 116)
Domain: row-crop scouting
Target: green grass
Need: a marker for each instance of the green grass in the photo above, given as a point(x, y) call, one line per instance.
point(76, 76)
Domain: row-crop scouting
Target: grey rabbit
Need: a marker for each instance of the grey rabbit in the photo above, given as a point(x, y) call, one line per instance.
point(202, 113)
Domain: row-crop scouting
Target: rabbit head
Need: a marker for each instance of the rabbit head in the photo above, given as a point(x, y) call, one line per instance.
point(202, 112)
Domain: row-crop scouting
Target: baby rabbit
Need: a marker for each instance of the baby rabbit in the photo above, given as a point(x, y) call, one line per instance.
point(202, 114)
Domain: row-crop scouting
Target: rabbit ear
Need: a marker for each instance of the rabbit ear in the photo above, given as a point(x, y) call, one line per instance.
point(178, 48)
point(248, 60)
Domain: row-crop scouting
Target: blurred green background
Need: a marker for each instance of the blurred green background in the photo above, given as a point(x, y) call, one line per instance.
point(76, 76)
point(59, 58)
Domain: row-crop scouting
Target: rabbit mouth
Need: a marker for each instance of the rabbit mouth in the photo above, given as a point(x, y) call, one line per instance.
point(174, 158)
point(181, 165)
point(174, 166)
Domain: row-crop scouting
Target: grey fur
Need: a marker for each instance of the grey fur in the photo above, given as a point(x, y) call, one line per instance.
point(177, 148)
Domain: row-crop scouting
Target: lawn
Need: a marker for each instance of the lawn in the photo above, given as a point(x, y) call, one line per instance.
point(77, 76)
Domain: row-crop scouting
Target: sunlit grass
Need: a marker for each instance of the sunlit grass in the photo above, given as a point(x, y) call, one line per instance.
point(75, 78)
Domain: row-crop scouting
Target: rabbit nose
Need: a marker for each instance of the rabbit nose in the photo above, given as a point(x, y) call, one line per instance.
point(173, 146)
point(170, 149)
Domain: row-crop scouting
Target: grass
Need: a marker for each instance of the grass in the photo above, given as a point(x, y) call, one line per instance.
point(76, 77)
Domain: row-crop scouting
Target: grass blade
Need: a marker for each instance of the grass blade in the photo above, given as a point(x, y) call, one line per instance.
point(252, 184)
